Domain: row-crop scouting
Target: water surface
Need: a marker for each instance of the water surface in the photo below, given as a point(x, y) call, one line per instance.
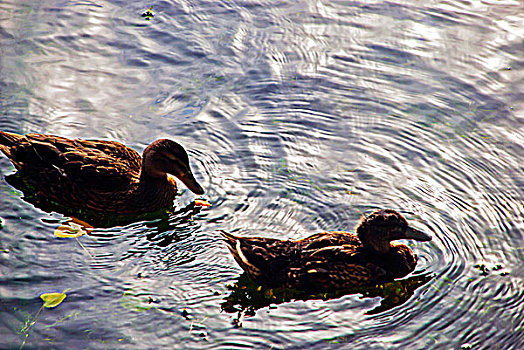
point(298, 117)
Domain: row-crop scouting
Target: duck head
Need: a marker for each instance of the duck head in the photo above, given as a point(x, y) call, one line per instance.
point(168, 157)
point(377, 230)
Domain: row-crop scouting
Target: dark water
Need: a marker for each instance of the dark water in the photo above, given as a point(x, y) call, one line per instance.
point(298, 117)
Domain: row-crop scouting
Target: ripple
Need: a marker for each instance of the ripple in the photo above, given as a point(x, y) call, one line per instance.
point(298, 118)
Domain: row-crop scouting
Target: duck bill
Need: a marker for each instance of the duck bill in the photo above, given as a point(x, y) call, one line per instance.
point(413, 233)
point(189, 180)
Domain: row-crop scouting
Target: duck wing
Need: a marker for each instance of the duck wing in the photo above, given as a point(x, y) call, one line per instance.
point(328, 239)
point(53, 161)
point(336, 267)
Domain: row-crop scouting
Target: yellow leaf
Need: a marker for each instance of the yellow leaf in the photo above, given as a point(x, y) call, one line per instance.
point(73, 228)
point(66, 231)
point(53, 299)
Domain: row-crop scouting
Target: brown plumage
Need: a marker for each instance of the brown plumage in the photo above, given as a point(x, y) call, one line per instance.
point(101, 176)
point(331, 260)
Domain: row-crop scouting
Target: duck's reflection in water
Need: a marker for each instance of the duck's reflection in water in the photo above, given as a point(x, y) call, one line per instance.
point(161, 228)
point(247, 297)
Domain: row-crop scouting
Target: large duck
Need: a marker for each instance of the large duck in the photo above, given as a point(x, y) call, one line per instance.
point(100, 176)
point(331, 260)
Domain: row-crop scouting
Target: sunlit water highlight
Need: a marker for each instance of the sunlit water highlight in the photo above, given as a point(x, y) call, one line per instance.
point(298, 118)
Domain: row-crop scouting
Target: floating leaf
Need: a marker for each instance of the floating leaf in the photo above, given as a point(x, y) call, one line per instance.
point(50, 300)
point(66, 231)
point(135, 302)
point(53, 299)
point(73, 228)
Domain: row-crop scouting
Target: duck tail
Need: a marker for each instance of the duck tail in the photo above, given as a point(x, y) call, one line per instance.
point(7, 141)
point(229, 239)
point(234, 244)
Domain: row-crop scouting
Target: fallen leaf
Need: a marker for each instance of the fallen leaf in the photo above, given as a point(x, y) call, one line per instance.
point(73, 228)
point(53, 299)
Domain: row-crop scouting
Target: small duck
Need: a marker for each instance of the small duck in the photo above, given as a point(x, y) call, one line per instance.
point(100, 176)
point(331, 260)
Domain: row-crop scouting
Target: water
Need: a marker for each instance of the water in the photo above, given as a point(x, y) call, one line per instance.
point(298, 117)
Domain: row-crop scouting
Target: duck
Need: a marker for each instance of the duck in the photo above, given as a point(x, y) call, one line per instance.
point(99, 176)
point(328, 261)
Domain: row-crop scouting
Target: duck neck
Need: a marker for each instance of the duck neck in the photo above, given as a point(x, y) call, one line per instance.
point(157, 192)
point(375, 246)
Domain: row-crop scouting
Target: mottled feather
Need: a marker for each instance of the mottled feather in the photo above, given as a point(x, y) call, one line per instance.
point(329, 260)
point(98, 175)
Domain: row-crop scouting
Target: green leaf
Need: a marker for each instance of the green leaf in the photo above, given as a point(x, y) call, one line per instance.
point(135, 302)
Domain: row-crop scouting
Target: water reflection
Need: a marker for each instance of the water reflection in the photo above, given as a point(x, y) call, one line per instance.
point(302, 115)
point(246, 297)
point(100, 219)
